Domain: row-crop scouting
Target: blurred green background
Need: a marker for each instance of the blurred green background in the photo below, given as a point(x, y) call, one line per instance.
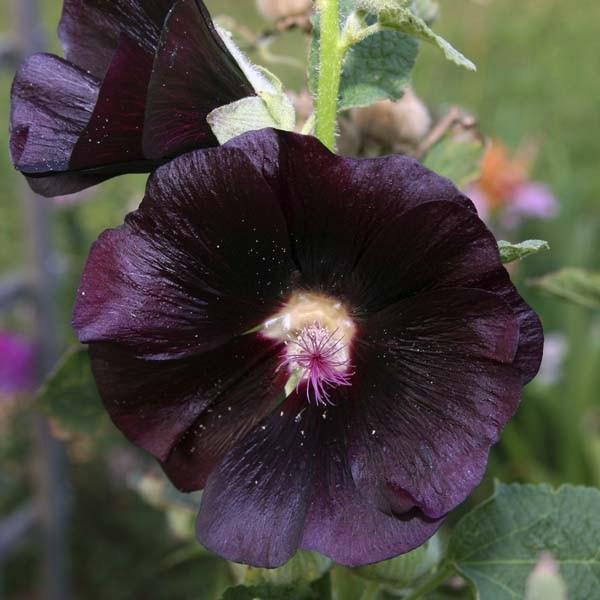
point(538, 80)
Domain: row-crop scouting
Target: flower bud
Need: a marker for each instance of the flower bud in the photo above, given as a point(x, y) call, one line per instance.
point(397, 125)
point(276, 10)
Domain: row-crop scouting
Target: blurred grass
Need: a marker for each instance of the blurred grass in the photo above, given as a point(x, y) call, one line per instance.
point(537, 80)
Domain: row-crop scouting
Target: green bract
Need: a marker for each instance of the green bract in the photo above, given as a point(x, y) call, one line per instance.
point(512, 252)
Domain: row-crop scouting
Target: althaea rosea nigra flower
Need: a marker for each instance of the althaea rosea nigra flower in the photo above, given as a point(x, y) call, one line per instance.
point(139, 79)
point(370, 285)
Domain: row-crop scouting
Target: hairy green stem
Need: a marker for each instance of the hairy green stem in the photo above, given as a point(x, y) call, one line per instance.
point(331, 56)
point(431, 584)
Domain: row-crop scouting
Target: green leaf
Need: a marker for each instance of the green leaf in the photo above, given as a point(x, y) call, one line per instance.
point(403, 571)
point(304, 567)
point(511, 252)
point(376, 6)
point(404, 20)
point(574, 285)
point(457, 159)
point(499, 543)
point(428, 10)
point(377, 68)
point(69, 394)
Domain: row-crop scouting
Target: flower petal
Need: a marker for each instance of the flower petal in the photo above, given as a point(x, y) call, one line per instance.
point(114, 132)
point(90, 30)
point(204, 258)
point(52, 101)
point(436, 387)
point(214, 433)
point(52, 105)
point(436, 244)
point(155, 403)
point(396, 183)
point(343, 522)
point(531, 338)
point(289, 484)
point(193, 74)
point(336, 207)
point(254, 504)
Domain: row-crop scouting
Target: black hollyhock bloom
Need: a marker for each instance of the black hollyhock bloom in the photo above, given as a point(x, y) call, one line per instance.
point(369, 287)
point(138, 80)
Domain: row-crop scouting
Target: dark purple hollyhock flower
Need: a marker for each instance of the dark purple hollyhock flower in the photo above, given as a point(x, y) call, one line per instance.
point(370, 287)
point(138, 80)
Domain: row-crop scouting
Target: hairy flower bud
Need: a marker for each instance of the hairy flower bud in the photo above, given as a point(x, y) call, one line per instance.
point(399, 126)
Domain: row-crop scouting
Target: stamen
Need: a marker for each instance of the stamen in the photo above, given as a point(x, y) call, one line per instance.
point(321, 358)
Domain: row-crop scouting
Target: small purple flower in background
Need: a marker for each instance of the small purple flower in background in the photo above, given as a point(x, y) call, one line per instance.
point(137, 83)
point(368, 290)
point(530, 201)
point(17, 357)
point(504, 194)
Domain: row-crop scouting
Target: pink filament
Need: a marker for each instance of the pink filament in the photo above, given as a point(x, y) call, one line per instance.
point(320, 355)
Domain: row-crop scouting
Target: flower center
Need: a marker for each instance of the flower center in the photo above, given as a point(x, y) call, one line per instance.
point(317, 331)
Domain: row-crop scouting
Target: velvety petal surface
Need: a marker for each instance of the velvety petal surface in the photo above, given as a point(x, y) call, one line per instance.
point(288, 484)
point(156, 403)
point(52, 101)
point(205, 258)
point(343, 522)
point(436, 386)
point(114, 132)
point(531, 334)
point(334, 203)
point(433, 245)
point(254, 504)
point(193, 74)
point(91, 30)
point(65, 124)
point(336, 208)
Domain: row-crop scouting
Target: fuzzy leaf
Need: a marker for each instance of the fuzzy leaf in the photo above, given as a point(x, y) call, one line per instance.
point(511, 252)
point(69, 395)
point(377, 68)
point(376, 6)
point(404, 20)
point(574, 285)
point(457, 159)
point(498, 544)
